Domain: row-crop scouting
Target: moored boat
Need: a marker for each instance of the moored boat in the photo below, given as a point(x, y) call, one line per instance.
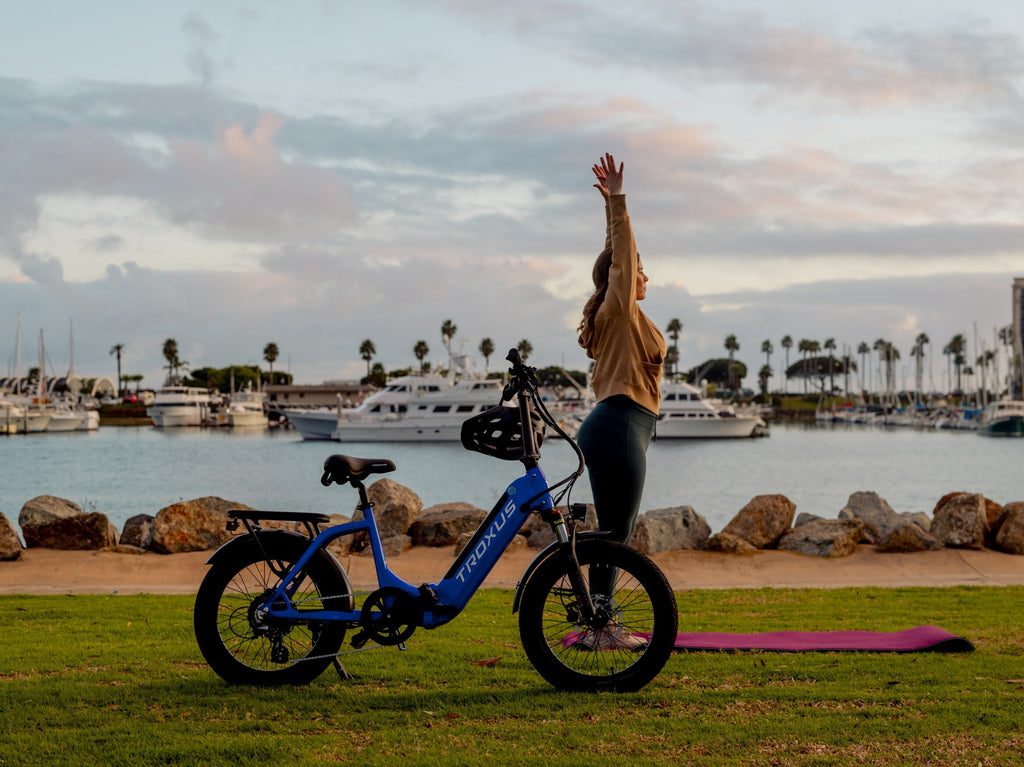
point(1004, 418)
point(21, 419)
point(247, 409)
point(687, 414)
point(418, 409)
point(179, 406)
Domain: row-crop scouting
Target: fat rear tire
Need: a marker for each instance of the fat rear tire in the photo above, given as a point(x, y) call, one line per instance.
point(237, 646)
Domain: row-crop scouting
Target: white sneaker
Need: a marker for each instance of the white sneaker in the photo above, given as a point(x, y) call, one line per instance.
point(611, 638)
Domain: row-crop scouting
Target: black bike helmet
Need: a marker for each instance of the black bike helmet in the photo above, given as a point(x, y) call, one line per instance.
point(496, 433)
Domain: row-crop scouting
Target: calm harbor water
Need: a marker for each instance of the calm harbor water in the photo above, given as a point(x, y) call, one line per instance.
point(123, 471)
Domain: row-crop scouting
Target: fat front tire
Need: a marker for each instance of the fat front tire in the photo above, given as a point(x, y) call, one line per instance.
point(630, 641)
point(243, 648)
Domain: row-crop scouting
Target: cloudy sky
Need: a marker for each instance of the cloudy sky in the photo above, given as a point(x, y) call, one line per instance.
point(317, 173)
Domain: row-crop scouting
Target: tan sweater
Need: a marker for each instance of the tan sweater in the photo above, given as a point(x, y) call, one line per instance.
point(627, 348)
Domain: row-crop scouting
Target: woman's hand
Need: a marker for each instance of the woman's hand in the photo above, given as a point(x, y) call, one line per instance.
point(609, 179)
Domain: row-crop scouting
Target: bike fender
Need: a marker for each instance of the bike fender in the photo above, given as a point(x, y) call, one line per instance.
point(269, 537)
point(247, 541)
point(546, 554)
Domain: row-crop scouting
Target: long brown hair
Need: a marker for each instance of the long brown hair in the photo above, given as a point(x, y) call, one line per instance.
point(602, 266)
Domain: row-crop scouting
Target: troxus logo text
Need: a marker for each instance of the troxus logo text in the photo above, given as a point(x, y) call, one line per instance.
point(477, 555)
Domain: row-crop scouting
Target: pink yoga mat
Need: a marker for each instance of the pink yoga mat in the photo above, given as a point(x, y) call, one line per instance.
point(918, 639)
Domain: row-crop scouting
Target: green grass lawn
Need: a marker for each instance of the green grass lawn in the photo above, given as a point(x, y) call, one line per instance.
point(119, 680)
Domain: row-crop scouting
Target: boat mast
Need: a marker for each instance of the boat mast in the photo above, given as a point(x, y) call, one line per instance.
point(17, 359)
point(71, 343)
point(41, 386)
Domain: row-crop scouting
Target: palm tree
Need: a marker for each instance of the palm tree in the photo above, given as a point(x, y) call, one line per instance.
point(804, 347)
point(487, 349)
point(1006, 337)
point(863, 349)
point(270, 354)
point(674, 328)
point(955, 349)
point(763, 375)
point(421, 350)
point(787, 344)
point(879, 346)
point(830, 346)
point(170, 352)
point(448, 329)
point(917, 352)
point(525, 348)
point(671, 360)
point(116, 349)
point(731, 346)
point(366, 351)
point(985, 359)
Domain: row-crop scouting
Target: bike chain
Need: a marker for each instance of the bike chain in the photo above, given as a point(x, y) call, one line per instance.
point(340, 652)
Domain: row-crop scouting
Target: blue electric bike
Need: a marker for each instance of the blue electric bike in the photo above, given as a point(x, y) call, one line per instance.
point(276, 606)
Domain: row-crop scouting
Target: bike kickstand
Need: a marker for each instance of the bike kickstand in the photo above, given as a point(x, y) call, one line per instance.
point(342, 672)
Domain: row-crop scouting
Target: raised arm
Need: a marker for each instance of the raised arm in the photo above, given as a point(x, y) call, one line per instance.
point(609, 182)
point(621, 293)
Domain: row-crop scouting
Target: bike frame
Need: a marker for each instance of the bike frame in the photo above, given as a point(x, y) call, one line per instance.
point(527, 494)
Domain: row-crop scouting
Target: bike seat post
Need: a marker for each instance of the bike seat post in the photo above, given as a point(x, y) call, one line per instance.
point(364, 500)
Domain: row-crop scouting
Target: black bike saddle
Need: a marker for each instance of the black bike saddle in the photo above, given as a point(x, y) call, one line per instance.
point(341, 469)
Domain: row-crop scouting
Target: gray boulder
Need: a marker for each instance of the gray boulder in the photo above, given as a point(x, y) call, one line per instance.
point(83, 532)
point(763, 521)
point(1010, 537)
point(56, 523)
point(872, 509)
point(442, 525)
point(804, 517)
point(196, 525)
point(919, 518)
point(10, 544)
point(962, 521)
point(727, 543)
point(138, 531)
point(908, 537)
point(670, 530)
point(395, 507)
point(824, 538)
point(40, 512)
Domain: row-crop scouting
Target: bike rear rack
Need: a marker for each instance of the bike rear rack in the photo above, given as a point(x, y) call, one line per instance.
point(251, 519)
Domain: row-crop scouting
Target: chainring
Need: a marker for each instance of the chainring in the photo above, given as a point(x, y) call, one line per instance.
point(389, 615)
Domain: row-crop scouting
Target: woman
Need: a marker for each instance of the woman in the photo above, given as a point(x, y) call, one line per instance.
point(628, 351)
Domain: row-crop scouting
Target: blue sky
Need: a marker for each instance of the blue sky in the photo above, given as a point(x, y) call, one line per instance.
point(319, 173)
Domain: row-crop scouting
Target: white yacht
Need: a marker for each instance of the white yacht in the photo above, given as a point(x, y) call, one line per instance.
point(687, 414)
point(418, 409)
point(179, 406)
point(247, 408)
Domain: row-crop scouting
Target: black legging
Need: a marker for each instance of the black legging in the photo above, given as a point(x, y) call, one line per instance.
point(614, 439)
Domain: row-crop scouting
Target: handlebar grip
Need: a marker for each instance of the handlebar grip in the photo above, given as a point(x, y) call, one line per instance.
point(325, 480)
point(513, 356)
